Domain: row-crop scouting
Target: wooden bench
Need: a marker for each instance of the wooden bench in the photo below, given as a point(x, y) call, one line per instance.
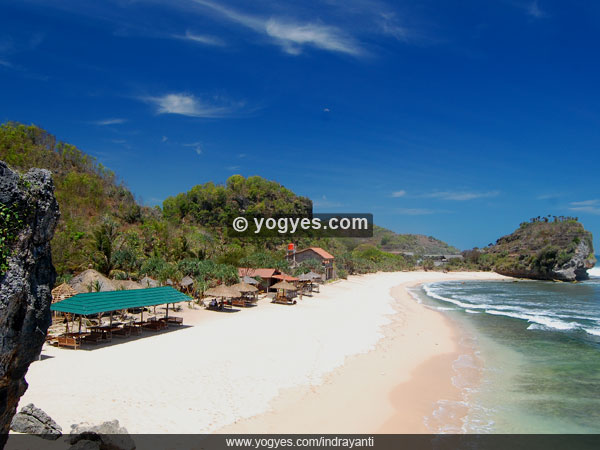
point(155, 325)
point(92, 338)
point(122, 332)
point(66, 341)
point(175, 320)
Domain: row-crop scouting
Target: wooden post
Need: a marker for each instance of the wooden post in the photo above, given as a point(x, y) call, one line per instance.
point(80, 323)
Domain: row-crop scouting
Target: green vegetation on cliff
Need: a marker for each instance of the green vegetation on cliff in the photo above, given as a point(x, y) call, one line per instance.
point(102, 226)
point(545, 248)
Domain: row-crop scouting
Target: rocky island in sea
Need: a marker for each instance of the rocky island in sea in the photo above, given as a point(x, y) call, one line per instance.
point(545, 248)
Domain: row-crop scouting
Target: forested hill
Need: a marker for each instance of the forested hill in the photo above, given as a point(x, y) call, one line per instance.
point(210, 204)
point(103, 226)
point(86, 190)
point(417, 244)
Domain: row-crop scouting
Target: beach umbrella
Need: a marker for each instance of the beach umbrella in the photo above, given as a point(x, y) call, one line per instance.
point(249, 280)
point(285, 286)
point(223, 291)
point(244, 287)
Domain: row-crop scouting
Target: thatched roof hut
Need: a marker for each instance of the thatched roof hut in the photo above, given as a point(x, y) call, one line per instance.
point(186, 281)
point(249, 280)
point(310, 276)
point(126, 285)
point(285, 286)
point(89, 280)
point(62, 292)
point(244, 287)
point(148, 282)
point(223, 291)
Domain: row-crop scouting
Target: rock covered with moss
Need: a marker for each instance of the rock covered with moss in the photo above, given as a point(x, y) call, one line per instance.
point(28, 216)
point(556, 248)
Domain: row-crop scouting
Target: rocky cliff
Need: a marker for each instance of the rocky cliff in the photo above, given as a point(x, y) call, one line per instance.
point(545, 249)
point(28, 216)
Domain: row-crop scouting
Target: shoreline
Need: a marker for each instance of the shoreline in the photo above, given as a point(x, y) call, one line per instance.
point(407, 390)
point(272, 368)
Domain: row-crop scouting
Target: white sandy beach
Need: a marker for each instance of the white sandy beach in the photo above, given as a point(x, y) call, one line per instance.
point(227, 370)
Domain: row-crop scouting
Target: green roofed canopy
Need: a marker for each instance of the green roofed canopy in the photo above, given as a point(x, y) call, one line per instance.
point(98, 302)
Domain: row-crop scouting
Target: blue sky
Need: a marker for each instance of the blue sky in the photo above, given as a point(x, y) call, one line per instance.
point(452, 119)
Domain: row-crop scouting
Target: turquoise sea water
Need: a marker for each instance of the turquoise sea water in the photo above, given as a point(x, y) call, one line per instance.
point(538, 354)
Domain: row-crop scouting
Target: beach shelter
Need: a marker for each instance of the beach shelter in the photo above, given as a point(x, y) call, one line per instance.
point(62, 292)
point(285, 286)
point(186, 281)
point(244, 287)
point(93, 303)
point(249, 280)
point(310, 276)
point(222, 291)
point(248, 292)
point(126, 284)
point(148, 282)
point(91, 280)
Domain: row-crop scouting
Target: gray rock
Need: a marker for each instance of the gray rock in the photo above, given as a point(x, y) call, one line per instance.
point(33, 420)
point(25, 288)
point(110, 435)
point(576, 267)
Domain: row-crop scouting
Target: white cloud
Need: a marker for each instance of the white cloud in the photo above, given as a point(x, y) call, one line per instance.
point(415, 211)
point(291, 36)
point(164, 139)
point(189, 105)
point(533, 9)
point(112, 121)
point(197, 147)
point(460, 195)
point(323, 202)
point(586, 206)
point(201, 39)
point(400, 193)
point(586, 203)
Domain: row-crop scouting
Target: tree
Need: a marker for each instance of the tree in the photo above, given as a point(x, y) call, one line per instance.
point(104, 238)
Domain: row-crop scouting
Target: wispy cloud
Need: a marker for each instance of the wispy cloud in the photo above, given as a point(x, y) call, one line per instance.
point(400, 193)
point(189, 105)
point(415, 211)
point(201, 39)
point(291, 35)
point(460, 195)
point(534, 10)
point(112, 121)
point(197, 146)
point(324, 202)
point(586, 206)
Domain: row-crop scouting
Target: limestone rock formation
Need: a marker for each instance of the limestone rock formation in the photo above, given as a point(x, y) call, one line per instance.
point(28, 216)
point(32, 420)
point(545, 249)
